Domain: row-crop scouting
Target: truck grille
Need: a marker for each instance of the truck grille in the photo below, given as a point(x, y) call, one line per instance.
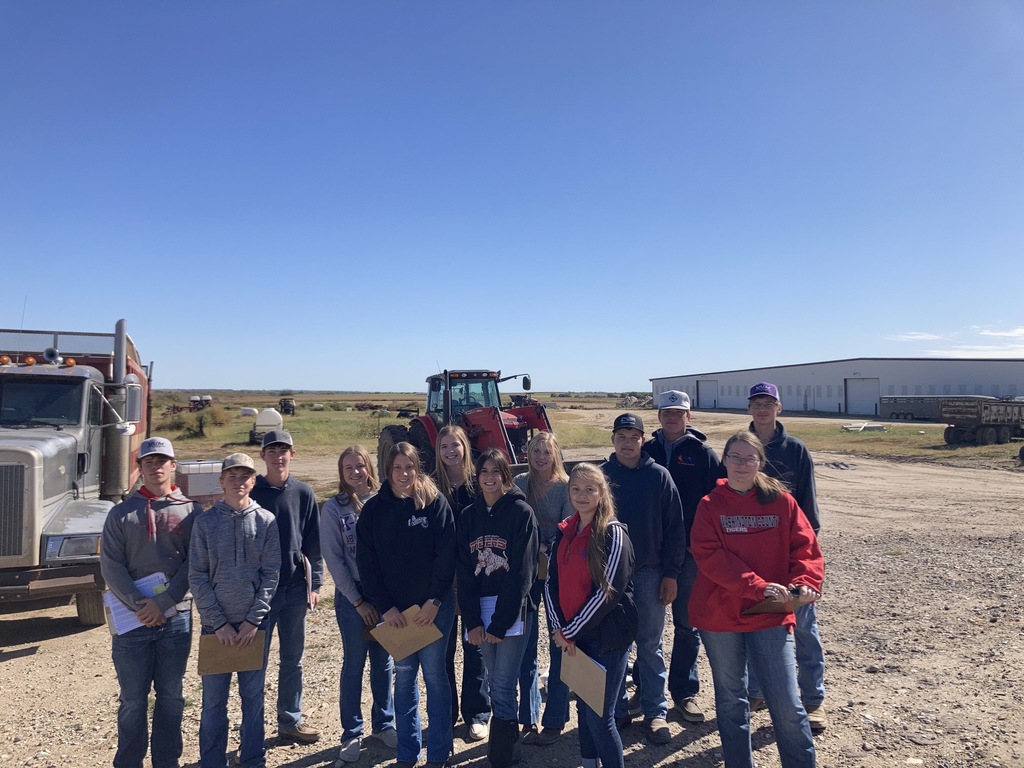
point(12, 509)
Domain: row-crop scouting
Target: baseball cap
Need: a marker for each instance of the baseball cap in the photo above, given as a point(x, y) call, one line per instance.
point(159, 445)
point(238, 460)
point(277, 436)
point(764, 388)
point(673, 400)
point(628, 421)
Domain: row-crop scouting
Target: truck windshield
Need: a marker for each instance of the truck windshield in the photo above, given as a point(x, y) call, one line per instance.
point(27, 401)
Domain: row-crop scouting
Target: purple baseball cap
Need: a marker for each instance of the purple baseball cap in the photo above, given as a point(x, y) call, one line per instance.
point(764, 388)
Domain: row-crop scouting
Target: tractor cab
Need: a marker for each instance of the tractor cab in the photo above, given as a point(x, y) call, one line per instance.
point(466, 390)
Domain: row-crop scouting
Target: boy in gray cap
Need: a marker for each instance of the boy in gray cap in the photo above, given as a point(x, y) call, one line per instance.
point(647, 502)
point(233, 570)
point(148, 533)
point(293, 503)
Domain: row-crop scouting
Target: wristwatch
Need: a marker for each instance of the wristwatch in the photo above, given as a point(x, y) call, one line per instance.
point(436, 602)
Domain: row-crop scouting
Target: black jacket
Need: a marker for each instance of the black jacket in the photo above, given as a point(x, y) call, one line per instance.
point(694, 467)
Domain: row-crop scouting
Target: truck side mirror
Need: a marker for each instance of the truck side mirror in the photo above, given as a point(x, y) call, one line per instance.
point(133, 403)
point(526, 383)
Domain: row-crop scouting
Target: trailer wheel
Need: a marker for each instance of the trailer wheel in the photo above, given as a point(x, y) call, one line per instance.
point(89, 606)
point(985, 435)
point(1003, 435)
point(390, 436)
point(894, 416)
point(949, 436)
point(908, 416)
point(1020, 455)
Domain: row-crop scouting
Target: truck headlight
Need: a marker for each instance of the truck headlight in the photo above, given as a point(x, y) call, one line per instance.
point(60, 547)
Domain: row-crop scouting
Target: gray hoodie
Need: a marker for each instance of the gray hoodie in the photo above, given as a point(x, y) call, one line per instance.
point(234, 564)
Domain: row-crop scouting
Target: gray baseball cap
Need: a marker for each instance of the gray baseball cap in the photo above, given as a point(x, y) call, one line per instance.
point(243, 460)
point(673, 400)
point(277, 436)
point(158, 445)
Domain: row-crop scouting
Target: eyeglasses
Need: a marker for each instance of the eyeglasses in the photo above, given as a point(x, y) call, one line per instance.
point(750, 461)
point(763, 405)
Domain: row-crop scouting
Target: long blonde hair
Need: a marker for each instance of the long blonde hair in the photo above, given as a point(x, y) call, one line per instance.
point(766, 489)
point(597, 552)
point(535, 481)
point(371, 475)
point(423, 491)
point(440, 474)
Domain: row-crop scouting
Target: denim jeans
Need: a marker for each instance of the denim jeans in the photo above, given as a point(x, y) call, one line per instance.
point(288, 614)
point(355, 651)
point(810, 659)
point(556, 710)
point(683, 678)
point(599, 738)
point(213, 724)
point(650, 674)
point(770, 653)
point(529, 679)
point(439, 695)
point(151, 657)
point(502, 662)
point(476, 702)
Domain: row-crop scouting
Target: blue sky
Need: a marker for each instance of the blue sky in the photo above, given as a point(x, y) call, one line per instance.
point(353, 195)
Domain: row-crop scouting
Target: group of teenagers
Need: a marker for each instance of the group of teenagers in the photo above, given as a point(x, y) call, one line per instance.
point(731, 546)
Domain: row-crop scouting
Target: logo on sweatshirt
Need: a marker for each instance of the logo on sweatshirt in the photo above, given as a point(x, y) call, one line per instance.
point(748, 523)
point(488, 561)
point(420, 521)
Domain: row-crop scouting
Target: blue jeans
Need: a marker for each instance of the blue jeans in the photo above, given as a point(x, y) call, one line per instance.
point(213, 724)
point(476, 702)
point(599, 738)
point(683, 678)
point(355, 650)
point(439, 695)
point(650, 662)
point(502, 661)
point(529, 680)
point(771, 654)
point(288, 614)
point(556, 710)
point(810, 659)
point(151, 657)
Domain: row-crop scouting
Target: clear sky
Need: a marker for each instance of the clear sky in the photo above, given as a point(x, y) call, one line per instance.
point(353, 195)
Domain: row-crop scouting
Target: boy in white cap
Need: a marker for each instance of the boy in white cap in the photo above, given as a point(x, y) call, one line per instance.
point(293, 503)
point(148, 533)
point(234, 566)
point(695, 469)
point(789, 460)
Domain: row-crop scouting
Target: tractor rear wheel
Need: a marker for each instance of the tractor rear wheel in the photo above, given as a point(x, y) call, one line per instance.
point(390, 436)
point(418, 437)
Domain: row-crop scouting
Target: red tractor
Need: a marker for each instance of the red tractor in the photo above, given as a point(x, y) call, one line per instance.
point(470, 400)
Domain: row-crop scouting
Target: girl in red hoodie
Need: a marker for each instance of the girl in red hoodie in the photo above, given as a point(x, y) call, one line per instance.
point(754, 550)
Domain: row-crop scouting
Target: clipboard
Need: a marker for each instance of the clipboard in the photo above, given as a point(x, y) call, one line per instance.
point(586, 678)
point(401, 642)
point(217, 659)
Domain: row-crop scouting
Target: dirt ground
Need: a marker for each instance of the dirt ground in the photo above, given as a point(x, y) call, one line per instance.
point(921, 622)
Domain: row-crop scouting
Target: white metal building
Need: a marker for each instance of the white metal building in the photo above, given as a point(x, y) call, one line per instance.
point(852, 386)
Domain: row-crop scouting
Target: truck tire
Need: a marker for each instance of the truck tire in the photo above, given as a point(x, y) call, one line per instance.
point(949, 436)
point(90, 609)
point(894, 416)
point(1020, 454)
point(390, 436)
point(1002, 435)
point(984, 435)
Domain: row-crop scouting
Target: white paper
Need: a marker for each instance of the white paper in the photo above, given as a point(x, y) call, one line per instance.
point(120, 618)
point(487, 605)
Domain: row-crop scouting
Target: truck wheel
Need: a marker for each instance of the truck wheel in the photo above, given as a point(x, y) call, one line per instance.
point(1020, 455)
point(894, 416)
point(390, 436)
point(1003, 435)
point(949, 436)
point(985, 435)
point(90, 608)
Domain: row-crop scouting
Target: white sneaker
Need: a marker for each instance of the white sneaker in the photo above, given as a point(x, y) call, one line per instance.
point(478, 731)
point(349, 751)
point(389, 736)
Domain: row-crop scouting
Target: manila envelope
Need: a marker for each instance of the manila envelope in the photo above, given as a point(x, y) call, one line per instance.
point(586, 678)
point(408, 639)
point(216, 659)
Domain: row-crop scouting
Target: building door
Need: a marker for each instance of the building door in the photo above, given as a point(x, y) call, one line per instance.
point(707, 394)
point(862, 396)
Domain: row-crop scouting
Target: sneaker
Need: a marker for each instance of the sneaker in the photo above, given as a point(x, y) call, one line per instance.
point(526, 730)
point(817, 718)
point(657, 730)
point(389, 736)
point(349, 751)
point(689, 711)
point(635, 710)
point(301, 733)
point(478, 732)
point(623, 721)
point(756, 704)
